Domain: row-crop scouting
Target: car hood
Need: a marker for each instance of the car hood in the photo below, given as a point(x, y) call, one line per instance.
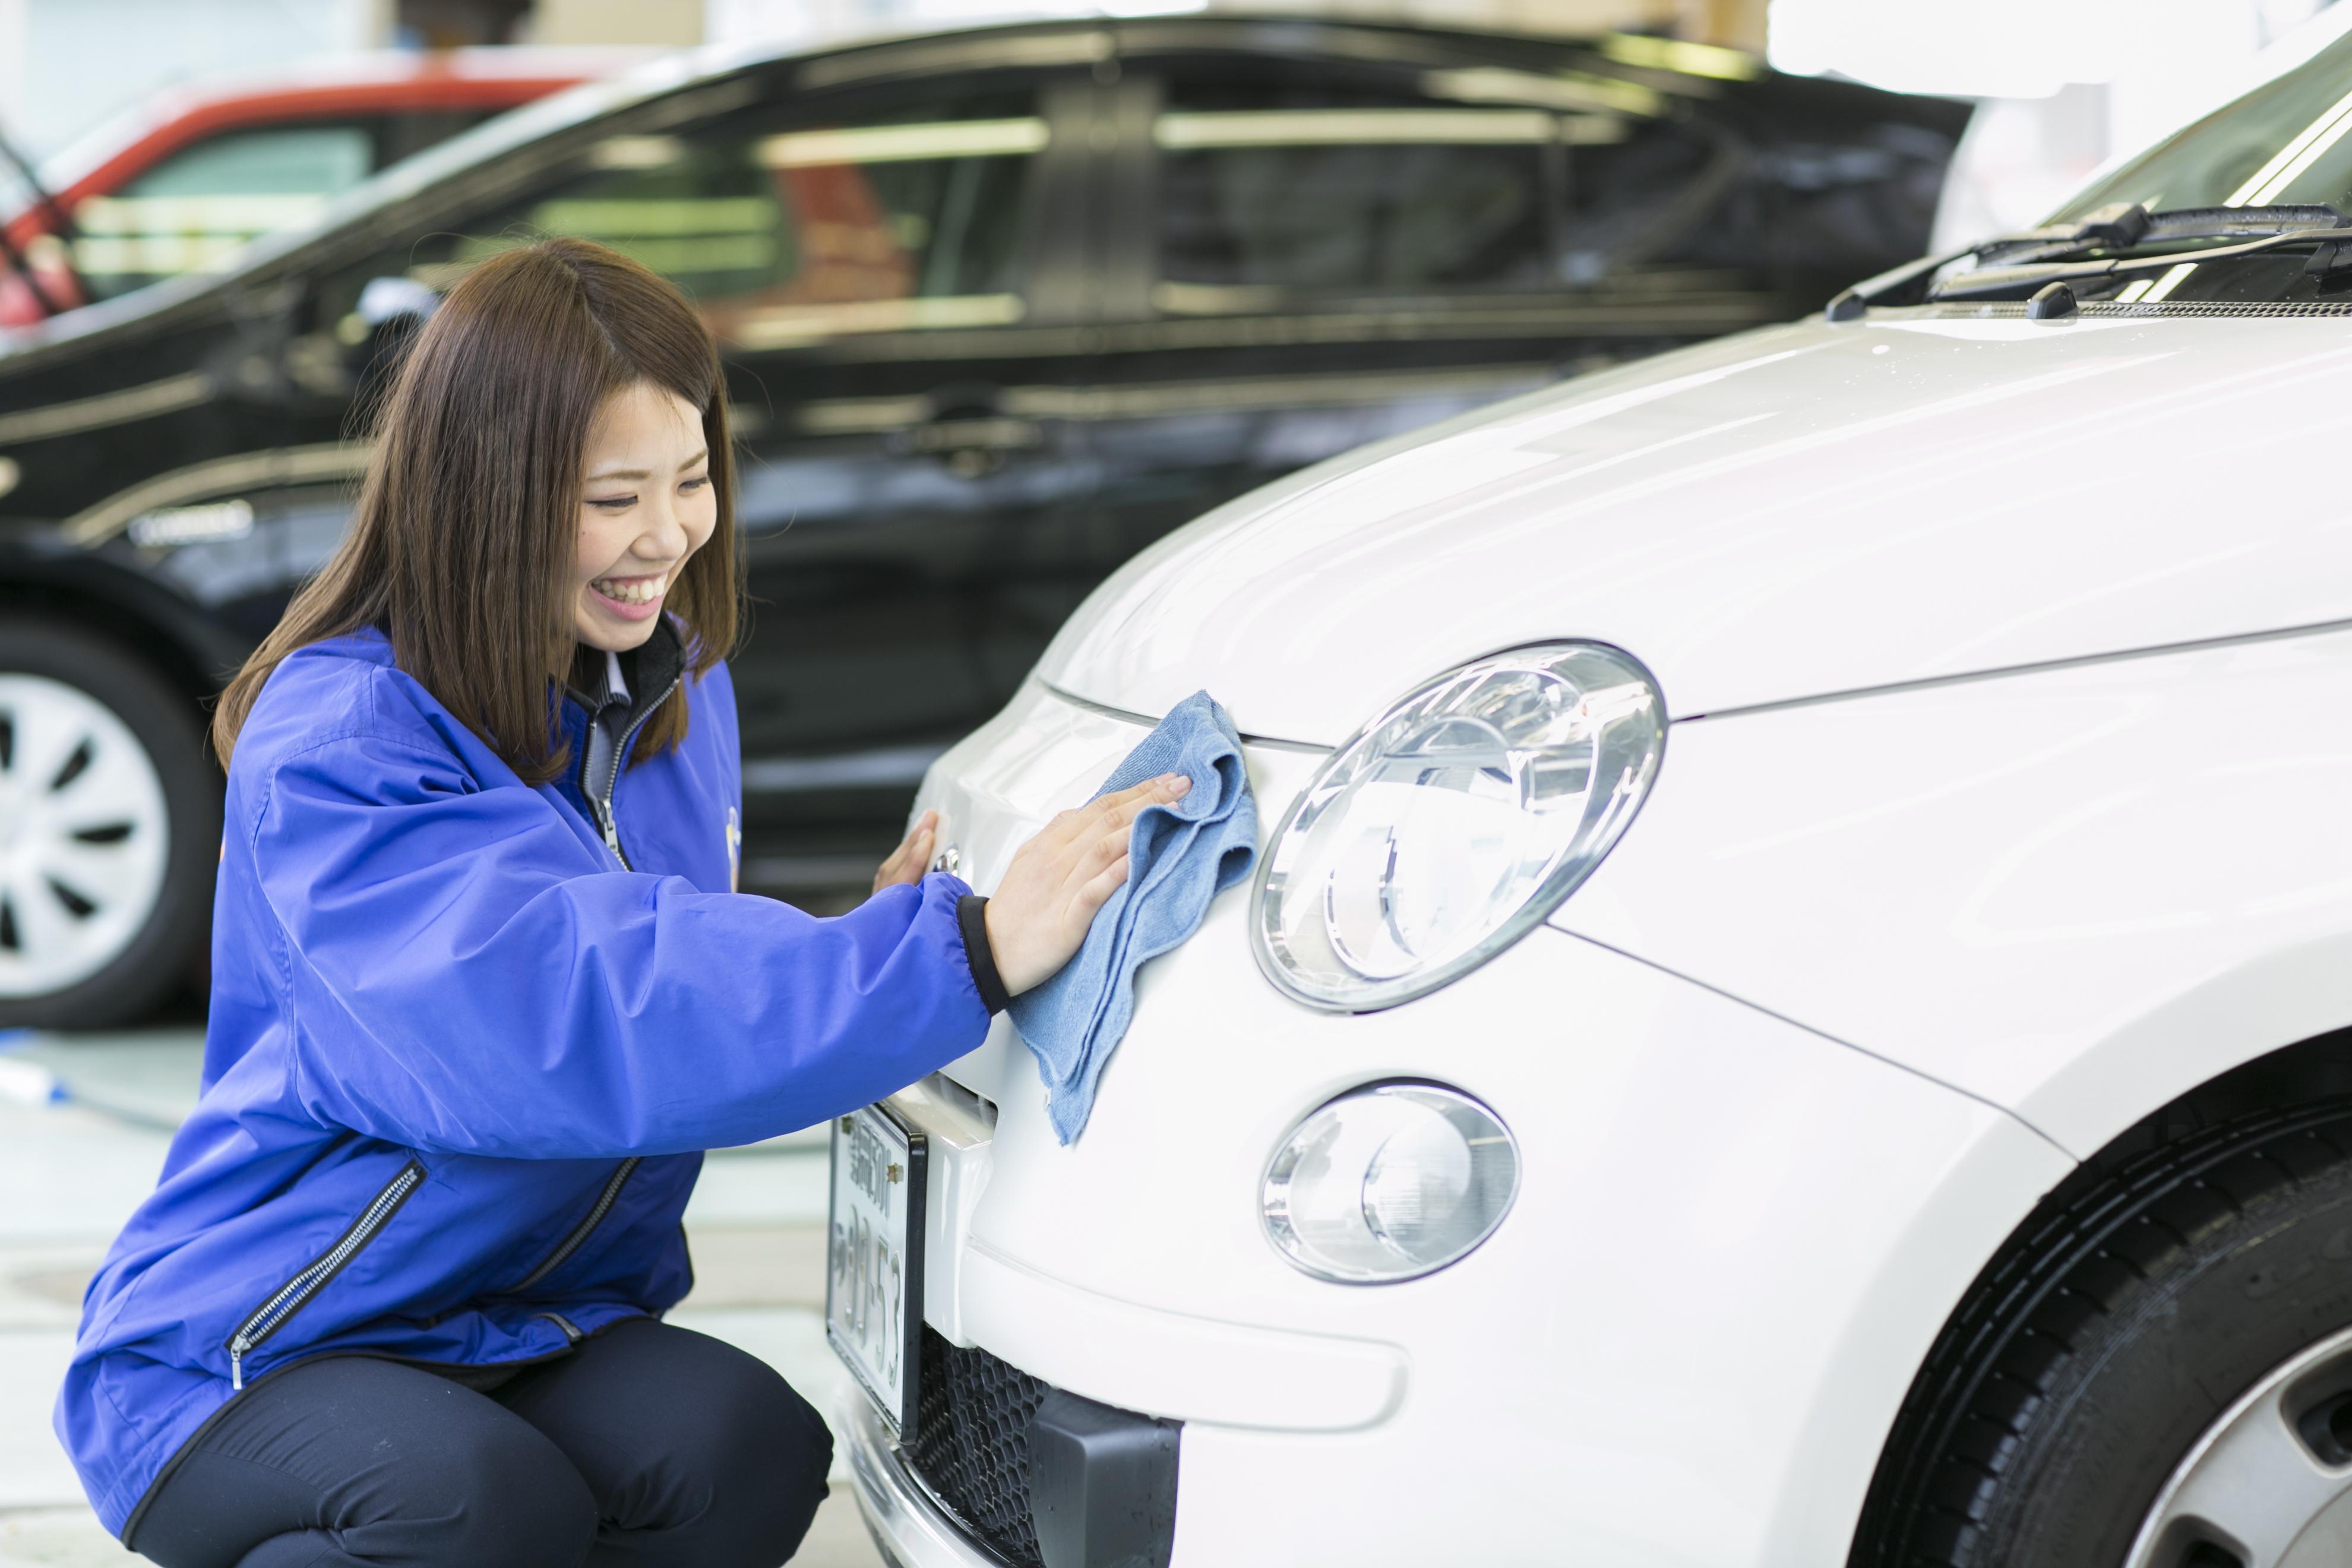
point(1792, 513)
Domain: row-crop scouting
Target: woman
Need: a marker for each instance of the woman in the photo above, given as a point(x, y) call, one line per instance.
point(482, 993)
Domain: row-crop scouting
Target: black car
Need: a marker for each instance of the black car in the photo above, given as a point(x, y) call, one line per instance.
point(1000, 308)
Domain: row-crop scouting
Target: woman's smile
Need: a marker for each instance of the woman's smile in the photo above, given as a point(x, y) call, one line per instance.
point(631, 598)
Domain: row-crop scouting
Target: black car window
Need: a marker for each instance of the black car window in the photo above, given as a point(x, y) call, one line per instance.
point(1631, 185)
point(1300, 189)
point(787, 229)
point(195, 209)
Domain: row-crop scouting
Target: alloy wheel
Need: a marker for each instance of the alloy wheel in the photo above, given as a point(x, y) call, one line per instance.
point(2269, 1485)
point(84, 836)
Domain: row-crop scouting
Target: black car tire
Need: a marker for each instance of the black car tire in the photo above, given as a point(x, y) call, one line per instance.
point(2109, 1338)
point(163, 951)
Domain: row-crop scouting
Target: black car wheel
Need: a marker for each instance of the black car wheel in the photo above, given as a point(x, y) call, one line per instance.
point(109, 817)
point(2158, 1375)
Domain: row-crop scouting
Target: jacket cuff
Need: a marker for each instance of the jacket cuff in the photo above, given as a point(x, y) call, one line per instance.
point(970, 918)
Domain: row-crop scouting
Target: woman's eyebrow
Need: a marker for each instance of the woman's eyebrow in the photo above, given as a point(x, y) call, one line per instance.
point(645, 473)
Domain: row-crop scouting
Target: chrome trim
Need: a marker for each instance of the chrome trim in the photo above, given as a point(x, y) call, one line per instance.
point(1626, 314)
point(796, 326)
point(1250, 393)
point(896, 144)
point(901, 1515)
point(1144, 400)
point(168, 396)
point(216, 477)
point(1190, 131)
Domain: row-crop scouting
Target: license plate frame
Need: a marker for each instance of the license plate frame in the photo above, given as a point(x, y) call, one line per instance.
point(873, 1256)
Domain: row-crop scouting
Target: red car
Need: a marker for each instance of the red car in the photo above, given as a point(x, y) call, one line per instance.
point(182, 183)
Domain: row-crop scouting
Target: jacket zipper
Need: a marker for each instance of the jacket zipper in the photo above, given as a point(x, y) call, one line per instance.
point(586, 1229)
point(603, 801)
point(290, 1297)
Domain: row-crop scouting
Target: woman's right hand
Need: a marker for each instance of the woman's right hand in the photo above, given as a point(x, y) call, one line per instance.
point(1037, 917)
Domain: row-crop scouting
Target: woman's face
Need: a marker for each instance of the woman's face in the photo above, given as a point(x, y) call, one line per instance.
point(645, 505)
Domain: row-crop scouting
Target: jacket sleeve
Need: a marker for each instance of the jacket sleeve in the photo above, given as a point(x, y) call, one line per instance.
point(459, 981)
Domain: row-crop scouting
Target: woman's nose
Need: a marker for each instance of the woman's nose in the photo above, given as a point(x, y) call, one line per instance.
point(666, 537)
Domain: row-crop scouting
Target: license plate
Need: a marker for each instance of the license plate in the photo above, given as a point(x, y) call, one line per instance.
point(873, 1274)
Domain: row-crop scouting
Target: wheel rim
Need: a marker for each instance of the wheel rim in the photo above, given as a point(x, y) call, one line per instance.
point(84, 836)
point(2269, 1485)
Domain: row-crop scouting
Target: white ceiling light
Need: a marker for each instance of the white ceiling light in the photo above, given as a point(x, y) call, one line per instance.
point(1990, 49)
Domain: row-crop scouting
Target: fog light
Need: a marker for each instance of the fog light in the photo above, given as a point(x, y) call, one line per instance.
point(1387, 1182)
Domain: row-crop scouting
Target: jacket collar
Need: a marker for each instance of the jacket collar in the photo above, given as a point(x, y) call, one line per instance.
point(650, 669)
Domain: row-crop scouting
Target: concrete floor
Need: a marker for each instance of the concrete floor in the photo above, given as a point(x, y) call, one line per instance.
point(84, 1122)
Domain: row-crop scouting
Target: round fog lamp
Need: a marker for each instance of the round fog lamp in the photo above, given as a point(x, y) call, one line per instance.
point(1387, 1182)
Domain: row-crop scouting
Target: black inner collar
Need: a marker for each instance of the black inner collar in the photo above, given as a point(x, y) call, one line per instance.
point(651, 669)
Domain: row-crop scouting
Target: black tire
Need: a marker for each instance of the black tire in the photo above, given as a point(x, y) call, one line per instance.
point(2108, 1337)
point(167, 950)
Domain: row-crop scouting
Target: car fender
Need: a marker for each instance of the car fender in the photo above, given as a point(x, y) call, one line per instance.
point(2077, 892)
point(192, 648)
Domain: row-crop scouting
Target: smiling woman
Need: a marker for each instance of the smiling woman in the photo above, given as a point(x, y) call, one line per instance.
point(453, 557)
point(483, 801)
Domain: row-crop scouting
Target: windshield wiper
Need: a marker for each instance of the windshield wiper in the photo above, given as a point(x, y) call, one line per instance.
point(2023, 262)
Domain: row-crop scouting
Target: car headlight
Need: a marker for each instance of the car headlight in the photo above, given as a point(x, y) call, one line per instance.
point(1453, 823)
point(1389, 1182)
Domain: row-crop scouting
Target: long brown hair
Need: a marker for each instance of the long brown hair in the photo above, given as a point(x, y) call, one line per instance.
point(463, 545)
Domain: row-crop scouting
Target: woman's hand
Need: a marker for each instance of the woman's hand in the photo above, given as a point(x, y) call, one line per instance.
point(913, 856)
point(1038, 917)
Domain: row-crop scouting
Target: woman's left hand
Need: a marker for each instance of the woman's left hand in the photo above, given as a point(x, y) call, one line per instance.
point(913, 856)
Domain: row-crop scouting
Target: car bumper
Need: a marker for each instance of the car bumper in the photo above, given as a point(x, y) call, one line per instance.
point(911, 1529)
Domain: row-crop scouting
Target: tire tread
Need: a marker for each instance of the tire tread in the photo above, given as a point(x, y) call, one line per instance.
point(2101, 1238)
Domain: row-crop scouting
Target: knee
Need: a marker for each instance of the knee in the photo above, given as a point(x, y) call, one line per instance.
point(507, 1496)
point(766, 1440)
point(765, 1454)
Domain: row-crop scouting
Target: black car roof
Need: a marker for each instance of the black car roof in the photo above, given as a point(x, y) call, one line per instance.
point(694, 83)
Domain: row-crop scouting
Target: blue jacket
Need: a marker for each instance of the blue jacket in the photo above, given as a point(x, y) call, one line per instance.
point(461, 1064)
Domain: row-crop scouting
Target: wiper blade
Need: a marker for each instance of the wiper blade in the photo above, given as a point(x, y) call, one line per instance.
point(2016, 281)
point(2125, 225)
point(2023, 260)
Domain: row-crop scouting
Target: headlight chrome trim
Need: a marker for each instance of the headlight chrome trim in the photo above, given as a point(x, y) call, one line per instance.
point(1332, 782)
point(1278, 1215)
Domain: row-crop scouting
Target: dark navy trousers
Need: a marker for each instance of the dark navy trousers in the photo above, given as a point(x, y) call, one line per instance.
point(647, 1444)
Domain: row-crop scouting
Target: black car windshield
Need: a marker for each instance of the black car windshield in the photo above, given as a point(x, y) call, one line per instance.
point(2287, 142)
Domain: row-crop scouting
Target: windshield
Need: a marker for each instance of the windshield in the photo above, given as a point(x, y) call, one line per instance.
point(2284, 142)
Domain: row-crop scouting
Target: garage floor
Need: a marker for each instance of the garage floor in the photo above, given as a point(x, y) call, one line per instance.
point(72, 1170)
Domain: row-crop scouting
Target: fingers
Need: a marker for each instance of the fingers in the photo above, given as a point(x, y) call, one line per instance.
point(908, 861)
point(1093, 893)
point(1151, 792)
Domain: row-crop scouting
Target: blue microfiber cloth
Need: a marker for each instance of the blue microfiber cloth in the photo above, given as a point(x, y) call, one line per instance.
point(1179, 858)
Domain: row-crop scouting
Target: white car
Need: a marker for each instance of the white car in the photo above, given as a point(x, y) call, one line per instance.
point(1795, 1006)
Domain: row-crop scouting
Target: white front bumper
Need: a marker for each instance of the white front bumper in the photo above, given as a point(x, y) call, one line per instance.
point(1734, 1242)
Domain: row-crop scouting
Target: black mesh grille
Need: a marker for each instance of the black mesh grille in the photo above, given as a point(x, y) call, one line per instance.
point(970, 1443)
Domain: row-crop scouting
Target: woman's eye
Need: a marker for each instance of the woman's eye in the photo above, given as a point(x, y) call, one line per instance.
point(695, 483)
point(612, 503)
